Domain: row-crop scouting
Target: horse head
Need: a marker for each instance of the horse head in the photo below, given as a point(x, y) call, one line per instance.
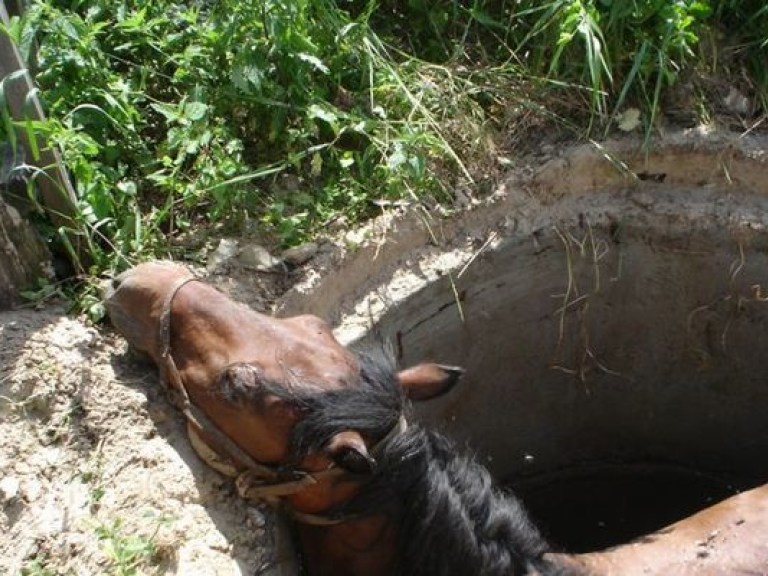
point(247, 381)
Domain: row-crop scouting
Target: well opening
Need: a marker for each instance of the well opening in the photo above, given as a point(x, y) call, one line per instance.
point(616, 360)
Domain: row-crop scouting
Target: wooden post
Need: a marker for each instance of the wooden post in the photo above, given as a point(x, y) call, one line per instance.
point(23, 256)
point(56, 191)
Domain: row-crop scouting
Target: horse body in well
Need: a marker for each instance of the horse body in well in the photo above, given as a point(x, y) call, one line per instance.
point(730, 537)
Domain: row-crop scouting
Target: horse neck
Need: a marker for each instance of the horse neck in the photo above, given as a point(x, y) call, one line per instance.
point(428, 512)
point(454, 521)
point(360, 547)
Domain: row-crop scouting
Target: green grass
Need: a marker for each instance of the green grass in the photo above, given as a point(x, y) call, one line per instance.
point(128, 554)
point(290, 116)
point(37, 567)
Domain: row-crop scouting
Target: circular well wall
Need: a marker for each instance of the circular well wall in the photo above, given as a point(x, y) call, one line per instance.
point(613, 362)
point(616, 354)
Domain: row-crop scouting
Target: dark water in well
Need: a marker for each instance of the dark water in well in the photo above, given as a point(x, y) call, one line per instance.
point(593, 507)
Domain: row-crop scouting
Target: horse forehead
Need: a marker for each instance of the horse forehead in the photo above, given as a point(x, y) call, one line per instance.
point(307, 350)
point(311, 325)
point(153, 269)
point(150, 280)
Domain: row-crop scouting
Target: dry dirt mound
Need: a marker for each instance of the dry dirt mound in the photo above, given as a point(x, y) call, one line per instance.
point(96, 474)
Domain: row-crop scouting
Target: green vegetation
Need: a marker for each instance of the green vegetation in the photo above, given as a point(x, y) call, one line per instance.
point(37, 567)
point(292, 115)
point(127, 554)
point(130, 554)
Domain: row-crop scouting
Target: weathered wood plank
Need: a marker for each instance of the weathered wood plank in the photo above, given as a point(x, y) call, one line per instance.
point(23, 255)
point(55, 188)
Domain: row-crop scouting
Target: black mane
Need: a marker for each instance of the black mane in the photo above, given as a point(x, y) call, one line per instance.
point(452, 519)
point(372, 408)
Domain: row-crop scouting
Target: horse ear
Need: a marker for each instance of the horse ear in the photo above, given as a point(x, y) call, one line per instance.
point(426, 381)
point(347, 449)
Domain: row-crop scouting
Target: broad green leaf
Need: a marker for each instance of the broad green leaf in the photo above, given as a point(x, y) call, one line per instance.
point(170, 111)
point(195, 110)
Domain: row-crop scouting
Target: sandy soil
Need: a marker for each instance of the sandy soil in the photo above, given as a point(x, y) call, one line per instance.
point(96, 473)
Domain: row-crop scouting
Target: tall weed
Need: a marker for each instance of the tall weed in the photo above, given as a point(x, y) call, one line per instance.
point(172, 116)
point(302, 114)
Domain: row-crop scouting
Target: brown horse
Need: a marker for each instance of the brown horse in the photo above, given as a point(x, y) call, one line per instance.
point(302, 420)
point(261, 396)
